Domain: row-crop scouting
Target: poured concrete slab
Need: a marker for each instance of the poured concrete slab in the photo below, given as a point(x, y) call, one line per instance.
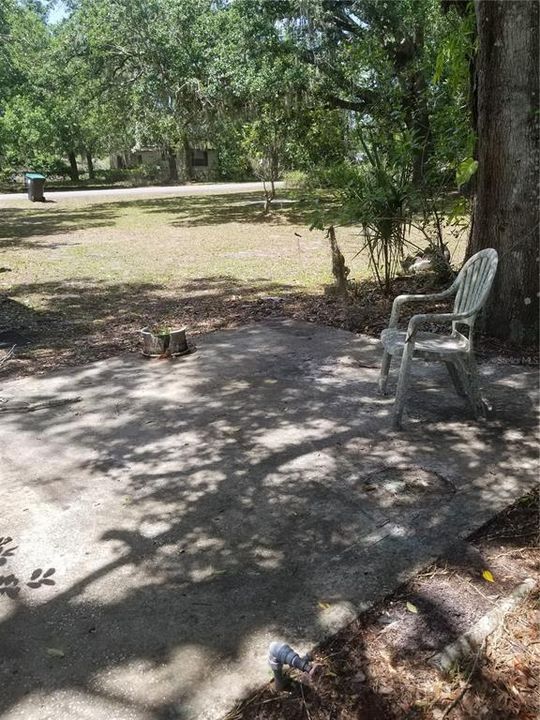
point(194, 511)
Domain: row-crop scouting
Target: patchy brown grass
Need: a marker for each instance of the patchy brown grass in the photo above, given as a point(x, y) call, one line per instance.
point(80, 277)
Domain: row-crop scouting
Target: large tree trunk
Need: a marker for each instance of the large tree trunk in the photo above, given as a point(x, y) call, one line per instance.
point(90, 165)
point(188, 167)
point(73, 168)
point(506, 213)
point(173, 168)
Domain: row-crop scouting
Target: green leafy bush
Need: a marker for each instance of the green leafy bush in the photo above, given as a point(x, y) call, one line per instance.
point(296, 180)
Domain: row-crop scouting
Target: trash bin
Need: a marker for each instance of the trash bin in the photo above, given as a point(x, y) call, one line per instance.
point(36, 183)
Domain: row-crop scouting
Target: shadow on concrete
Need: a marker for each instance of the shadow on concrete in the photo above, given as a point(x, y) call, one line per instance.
point(196, 510)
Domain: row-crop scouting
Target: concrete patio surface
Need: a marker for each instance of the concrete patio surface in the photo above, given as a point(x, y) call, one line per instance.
point(194, 511)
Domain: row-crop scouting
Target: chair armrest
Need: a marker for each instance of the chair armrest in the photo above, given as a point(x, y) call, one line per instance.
point(417, 320)
point(402, 299)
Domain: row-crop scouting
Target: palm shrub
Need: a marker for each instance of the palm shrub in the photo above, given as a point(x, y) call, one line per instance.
point(376, 192)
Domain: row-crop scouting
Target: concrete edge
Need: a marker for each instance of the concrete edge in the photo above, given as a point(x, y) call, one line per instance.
point(469, 642)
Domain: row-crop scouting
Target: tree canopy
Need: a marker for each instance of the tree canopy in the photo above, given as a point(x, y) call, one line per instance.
point(287, 78)
point(374, 98)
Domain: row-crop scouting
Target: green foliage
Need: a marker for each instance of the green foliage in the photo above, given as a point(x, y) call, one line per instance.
point(465, 170)
point(296, 180)
point(369, 90)
point(380, 196)
point(112, 175)
point(27, 134)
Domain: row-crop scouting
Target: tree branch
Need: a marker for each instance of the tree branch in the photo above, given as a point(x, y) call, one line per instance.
point(359, 105)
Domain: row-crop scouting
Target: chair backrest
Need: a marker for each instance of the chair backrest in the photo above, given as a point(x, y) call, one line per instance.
point(474, 283)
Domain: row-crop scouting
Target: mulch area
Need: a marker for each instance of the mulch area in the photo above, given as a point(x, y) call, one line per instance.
point(380, 667)
point(101, 326)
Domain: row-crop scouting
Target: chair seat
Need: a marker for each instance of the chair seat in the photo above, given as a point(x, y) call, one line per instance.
point(425, 342)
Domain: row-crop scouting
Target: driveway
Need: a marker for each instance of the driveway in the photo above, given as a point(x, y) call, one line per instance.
point(163, 522)
point(174, 190)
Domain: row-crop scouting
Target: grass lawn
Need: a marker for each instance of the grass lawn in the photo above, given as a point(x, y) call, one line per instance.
point(79, 277)
point(165, 241)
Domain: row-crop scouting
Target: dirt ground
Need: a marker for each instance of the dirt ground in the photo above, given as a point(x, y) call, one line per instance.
point(380, 667)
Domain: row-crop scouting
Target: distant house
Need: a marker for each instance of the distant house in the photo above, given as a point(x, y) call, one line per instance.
point(203, 161)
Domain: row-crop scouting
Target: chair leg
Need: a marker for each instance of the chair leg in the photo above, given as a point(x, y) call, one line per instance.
point(385, 369)
point(468, 374)
point(456, 378)
point(403, 385)
point(478, 403)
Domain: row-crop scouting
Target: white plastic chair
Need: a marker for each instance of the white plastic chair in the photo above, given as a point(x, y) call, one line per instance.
point(471, 288)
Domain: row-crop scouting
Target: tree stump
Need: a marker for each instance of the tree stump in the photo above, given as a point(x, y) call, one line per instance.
point(164, 343)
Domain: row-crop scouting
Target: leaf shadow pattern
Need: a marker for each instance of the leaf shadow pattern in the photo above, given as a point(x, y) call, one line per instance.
point(10, 584)
point(5, 551)
point(74, 325)
point(219, 500)
point(41, 577)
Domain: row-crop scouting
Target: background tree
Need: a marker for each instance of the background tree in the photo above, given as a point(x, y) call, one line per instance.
point(152, 53)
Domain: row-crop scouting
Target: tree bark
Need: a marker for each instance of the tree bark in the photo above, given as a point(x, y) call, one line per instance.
point(90, 165)
point(187, 160)
point(73, 168)
point(173, 168)
point(339, 270)
point(506, 212)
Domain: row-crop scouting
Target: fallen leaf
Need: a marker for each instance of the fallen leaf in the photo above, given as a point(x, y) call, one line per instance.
point(412, 608)
point(488, 576)
point(55, 652)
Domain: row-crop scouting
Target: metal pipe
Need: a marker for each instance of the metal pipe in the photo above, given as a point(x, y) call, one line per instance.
point(280, 654)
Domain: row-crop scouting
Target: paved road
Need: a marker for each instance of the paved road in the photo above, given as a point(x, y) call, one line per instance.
point(210, 189)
